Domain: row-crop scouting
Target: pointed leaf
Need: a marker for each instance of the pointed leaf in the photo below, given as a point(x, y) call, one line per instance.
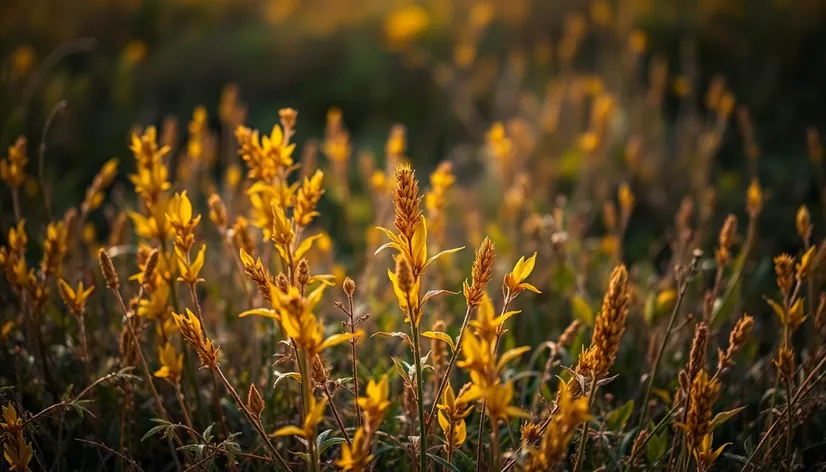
point(442, 337)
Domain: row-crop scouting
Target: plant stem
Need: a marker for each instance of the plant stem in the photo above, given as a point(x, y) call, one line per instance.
point(419, 396)
point(253, 421)
point(307, 392)
point(355, 362)
point(215, 398)
point(494, 443)
point(336, 415)
point(661, 351)
point(580, 455)
point(446, 377)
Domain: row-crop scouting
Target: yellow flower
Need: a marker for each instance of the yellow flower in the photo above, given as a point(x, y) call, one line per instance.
point(454, 409)
point(179, 215)
point(487, 325)
point(11, 421)
point(498, 402)
point(172, 364)
point(705, 455)
point(515, 280)
point(155, 306)
point(189, 270)
point(405, 24)
point(356, 457)
point(12, 168)
point(155, 225)
point(193, 334)
point(75, 300)
point(375, 404)
point(314, 416)
point(457, 431)
point(266, 158)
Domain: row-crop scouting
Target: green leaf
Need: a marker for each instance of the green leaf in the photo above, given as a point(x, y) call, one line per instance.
point(724, 416)
point(163, 426)
point(656, 447)
point(582, 311)
point(207, 434)
point(441, 461)
point(330, 442)
point(322, 436)
point(618, 418)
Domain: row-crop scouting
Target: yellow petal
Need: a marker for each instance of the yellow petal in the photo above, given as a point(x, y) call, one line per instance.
point(290, 431)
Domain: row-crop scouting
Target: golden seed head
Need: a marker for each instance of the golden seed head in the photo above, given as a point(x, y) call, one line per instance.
point(217, 211)
point(407, 201)
point(303, 272)
point(784, 271)
point(287, 116)
point(404, 274)
point(282, 282)
point(570, 333)
point(754, 199)
point(349, 287)
point(785, 362)
point(703, 395)
point(151, 265)
point(697, 356)
point(108, 269)
point(610, 323)
point(728, 233)
point(482, 272)
point(803, 221)
point(255, 402)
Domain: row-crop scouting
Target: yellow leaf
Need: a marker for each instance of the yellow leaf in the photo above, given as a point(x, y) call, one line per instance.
point(260, 312)
point(582, 311)
point(440, 336)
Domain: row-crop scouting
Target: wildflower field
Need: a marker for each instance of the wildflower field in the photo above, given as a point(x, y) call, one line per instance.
point(569, 250)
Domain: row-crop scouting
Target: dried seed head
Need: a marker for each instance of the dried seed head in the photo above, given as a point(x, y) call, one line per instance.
point(349, 287)
point(610, 323)
point(108, 269)
point(703, 395)
point(151, 265)
point(697, 357)
point(217, 211)
point(287, 117)
point(530, 432)
point(754, 199)
point(282, 282)
point(303, 272)
point(481, 274)
point(570, 333)
point(785, 362)
point(784, 270)
point(404, 274)
point(736, 340)
point(255, 402)
point(407, 201)
point(803, 221)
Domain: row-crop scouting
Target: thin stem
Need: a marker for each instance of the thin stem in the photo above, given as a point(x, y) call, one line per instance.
point(307, 388)
point(580, 455)
point(446, 377)
point(790, 428)
point(215, 398)
point(450, 442)
point(180, 396)
point(663, 346)
point(494, 443)
point(802, 391)
point(335, 414)
point(355, 364)
point(419, 395)
point(505, 305)
point(255, 423)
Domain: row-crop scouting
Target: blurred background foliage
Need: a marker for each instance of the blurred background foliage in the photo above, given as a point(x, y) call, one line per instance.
point(446, 70)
